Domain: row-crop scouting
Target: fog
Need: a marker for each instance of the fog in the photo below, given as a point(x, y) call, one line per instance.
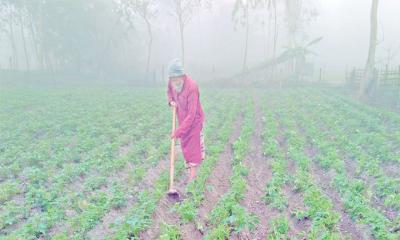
point(109, 39)
point(345, 28)
point(199, 119)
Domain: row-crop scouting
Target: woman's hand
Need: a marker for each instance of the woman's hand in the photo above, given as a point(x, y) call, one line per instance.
point(173, 135)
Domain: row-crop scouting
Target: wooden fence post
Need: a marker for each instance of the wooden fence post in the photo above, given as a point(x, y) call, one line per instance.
point(320, 75)
point(398, 88)
point(398, 77)
point(374, 81)
point(163, 74)
point(155, 77)
point(385, 76)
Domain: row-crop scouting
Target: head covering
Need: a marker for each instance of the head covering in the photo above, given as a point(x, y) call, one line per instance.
point(175, 68)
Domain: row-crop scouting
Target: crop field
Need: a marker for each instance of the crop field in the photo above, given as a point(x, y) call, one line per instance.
point(280, 164)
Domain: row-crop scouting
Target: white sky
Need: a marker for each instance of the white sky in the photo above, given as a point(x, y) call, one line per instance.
point(212, 40)
point(344, 24)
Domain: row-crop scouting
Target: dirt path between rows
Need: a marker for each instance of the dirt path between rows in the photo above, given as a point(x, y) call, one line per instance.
point(218, 182)
point(78, 186)
point(323, 178)
point(163, 212)
point(101, 230)
point(370, 183)
point(295, 198)
point(257, 178)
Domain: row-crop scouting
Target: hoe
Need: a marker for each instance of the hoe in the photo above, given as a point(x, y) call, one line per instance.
point(172, 193)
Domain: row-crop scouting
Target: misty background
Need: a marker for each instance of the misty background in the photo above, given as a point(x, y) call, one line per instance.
point(111, 40)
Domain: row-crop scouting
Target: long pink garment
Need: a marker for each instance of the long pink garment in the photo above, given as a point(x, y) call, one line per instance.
point(190, 118)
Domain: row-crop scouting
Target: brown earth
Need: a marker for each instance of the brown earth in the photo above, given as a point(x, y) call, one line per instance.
point(217, 184)
point(257, 179)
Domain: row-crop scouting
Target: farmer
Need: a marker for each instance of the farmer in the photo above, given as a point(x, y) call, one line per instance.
point(183, 93)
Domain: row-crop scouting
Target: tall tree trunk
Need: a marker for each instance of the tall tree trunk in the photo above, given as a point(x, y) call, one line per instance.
point(24, 43)
point(103, 55)
point(35, 42)
point(292, 61)
point(48, 61)
point(40, 39)
point(246, 41)
point(267, 44)
point(370, 65)
point(293, 10)
point(181, 28)
point(267, 49)
point(12, 41)
point(149, 47)
point(275, 40)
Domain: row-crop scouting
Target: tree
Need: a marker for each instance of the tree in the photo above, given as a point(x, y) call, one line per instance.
point(271, 7)
point(370, 65)
point(273, 4)
point(298, 13)
point(183, 11)
point(144, 9)
point(298, 55)
point(293, 11)
point(8, 22)
point(22, 17)
point(67, 36)
point(241, 13)
point(19, 14)
point(74, 38)
point(34, 24)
